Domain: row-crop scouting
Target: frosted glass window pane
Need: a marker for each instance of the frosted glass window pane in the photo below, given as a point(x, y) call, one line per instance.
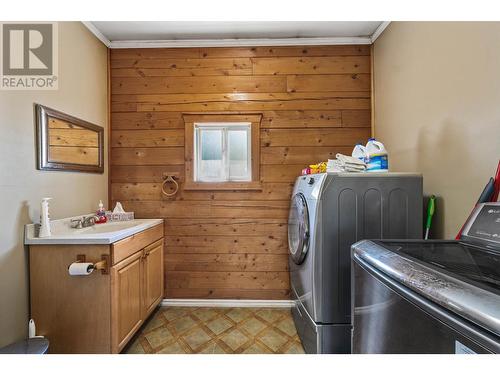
point(211, 144)
point(223, 152)
point(238, 154)
point(211, 165)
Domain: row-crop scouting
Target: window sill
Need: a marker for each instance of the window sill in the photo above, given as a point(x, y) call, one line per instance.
point(252, 185)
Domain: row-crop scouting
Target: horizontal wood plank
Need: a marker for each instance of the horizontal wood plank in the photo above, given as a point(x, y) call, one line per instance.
point(359, 118)
point(153, 173)
point(270, 243)
point(222, 84)
point(325, 82)
point(301, 119)
point(153, 191)
point(279, 173)
point(147, 156)
point(141, 173)
point(273, 51)
point(218, 52)
point(311, 65)
point(226, 262)
point(271, 119)
point(147, 138)
point(227, 280)
point(215, 293)
point(181, 67)
point(314, 137)
point(241, 102)
point(301, 155)
point(259, 105)
point(166, 98)
point(146, 120)
point(233, 227)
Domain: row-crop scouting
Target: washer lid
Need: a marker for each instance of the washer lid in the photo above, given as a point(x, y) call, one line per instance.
point(461, 278)
point(471, 264)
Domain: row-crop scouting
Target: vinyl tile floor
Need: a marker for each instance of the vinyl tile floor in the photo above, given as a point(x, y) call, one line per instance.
point(201, 330)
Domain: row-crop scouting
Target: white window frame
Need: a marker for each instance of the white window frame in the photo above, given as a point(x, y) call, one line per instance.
point(225, 127)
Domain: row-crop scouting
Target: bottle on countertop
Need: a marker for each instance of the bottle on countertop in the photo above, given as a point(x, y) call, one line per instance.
point(377, 156)
point(101, 214)
point(44, 219)
point(31, 329)
point(359, 152)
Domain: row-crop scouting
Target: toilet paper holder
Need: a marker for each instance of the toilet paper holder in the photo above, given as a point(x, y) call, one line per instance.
point(102, 265)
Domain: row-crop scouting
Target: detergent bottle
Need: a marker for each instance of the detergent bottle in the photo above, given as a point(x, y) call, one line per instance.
point(359, 152)
point(377, 159)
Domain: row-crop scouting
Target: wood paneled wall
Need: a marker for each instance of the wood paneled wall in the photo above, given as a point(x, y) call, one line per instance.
point(315, 102)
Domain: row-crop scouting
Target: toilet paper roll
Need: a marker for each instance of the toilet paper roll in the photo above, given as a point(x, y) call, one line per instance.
point(80, 269)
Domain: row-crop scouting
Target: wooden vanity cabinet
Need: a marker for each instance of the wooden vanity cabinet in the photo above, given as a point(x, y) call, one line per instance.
point(153, 276)
point(101, 312)
point(136, 290)
point(126, 293)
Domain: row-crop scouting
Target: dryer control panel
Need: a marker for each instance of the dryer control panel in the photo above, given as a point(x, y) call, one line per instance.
point(483, 227)
point(310, 185)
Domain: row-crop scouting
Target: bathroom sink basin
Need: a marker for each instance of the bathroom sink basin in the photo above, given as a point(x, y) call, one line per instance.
point(107, 233)
point(109, 227)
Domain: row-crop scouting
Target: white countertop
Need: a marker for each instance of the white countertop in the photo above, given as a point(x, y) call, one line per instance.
point(63, 234)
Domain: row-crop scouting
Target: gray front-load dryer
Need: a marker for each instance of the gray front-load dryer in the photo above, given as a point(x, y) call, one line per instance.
point(328, 213)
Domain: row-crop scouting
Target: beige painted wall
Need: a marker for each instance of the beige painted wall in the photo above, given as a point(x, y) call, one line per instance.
point(83, 93)
point(437, 108)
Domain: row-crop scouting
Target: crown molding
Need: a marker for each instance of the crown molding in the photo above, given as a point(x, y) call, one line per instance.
point(379, 31)
point(94, 30)
point(186, 43)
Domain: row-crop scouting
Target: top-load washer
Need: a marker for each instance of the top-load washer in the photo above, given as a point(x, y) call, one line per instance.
point(430, 297)
point(328, 213)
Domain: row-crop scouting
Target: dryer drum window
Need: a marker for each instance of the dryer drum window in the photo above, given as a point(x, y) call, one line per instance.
point(298, 229)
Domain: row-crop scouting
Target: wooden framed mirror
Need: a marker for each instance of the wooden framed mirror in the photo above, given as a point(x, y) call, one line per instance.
point(66, 143)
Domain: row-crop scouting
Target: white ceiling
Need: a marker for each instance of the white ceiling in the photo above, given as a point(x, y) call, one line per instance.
point(131, 33)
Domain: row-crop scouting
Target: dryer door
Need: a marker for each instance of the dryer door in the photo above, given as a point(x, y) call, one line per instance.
point(298, 229)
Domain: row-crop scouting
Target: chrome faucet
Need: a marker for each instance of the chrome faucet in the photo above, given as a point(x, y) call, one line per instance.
point(85, 221)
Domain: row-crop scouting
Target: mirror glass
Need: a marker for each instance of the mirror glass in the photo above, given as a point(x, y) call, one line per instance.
point(68, 143)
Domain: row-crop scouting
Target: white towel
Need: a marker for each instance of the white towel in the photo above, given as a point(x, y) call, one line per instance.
point(345, 163)
point(350, 160)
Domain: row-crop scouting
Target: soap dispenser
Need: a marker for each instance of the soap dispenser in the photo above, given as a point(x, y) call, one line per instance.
point(44, 218)
point(101, 214)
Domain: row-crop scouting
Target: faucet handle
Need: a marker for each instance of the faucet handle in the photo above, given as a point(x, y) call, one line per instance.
point(77, 223)
point(88, 220)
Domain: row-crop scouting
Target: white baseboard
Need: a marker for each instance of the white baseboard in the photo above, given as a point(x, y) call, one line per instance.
point(227, 303)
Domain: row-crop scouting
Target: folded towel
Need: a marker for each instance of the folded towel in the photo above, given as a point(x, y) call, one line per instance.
point(339, 165)
point(345, 163)
point(349, 160)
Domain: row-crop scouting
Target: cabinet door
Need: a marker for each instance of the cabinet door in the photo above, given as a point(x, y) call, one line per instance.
point(126, 294)
point(153, 276)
